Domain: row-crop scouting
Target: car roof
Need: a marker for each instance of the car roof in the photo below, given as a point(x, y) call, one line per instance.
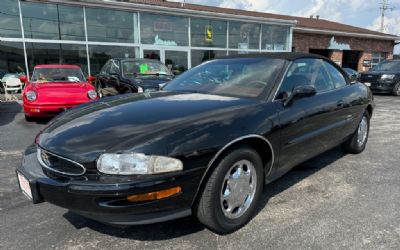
point(290, 56)
point(57, 66)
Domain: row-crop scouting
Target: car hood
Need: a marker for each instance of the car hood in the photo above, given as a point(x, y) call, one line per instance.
point(120, 123)
point(61, 92)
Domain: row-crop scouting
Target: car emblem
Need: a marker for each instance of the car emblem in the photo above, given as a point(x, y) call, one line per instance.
point(45, 158)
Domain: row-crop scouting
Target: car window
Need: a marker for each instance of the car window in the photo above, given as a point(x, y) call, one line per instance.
point(114, 67)
point(322, 81)
point(308, 71)
point(298, 74)
point(106, 68)
point(336, 76)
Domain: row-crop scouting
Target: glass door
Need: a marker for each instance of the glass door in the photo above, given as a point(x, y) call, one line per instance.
point(176, 61)
point(152, 54)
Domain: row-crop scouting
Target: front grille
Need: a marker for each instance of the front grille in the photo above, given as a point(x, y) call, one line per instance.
point(59, 164)
point(369, 78)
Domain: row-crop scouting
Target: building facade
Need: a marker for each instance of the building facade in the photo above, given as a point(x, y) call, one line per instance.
point(89, 32)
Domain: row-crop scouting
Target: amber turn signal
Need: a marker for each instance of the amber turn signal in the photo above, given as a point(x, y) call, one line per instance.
point(154, 195)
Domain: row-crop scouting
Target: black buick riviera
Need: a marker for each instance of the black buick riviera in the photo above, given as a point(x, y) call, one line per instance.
point(204, 145)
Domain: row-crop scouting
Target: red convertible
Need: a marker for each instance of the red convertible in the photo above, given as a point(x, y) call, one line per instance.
point(55, 88)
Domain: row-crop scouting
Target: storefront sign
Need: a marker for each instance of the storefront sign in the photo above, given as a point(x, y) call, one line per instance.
point(159, 41)
point(209, 33)
point(338, 46)
point(366, 63)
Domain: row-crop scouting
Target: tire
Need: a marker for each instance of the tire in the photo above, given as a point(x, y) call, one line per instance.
point(128, 91)
point(212, 207)
point(396, 89)
point(357, 142)
point(28, 118)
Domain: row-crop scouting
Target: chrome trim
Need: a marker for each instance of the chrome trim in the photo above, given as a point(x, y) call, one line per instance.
point(54, 170)
point(231, 143)
point(283, 78)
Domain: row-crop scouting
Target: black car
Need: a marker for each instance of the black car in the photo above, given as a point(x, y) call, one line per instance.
point(352, 74)
point(121, 76)
point(384, 77)
point(204, 145)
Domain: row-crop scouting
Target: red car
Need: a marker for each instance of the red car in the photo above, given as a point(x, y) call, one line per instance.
point(55, 88)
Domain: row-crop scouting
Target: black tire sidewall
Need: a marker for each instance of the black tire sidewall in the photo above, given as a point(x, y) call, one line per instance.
point(222, 168)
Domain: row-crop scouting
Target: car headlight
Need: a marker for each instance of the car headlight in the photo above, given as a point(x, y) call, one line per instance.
point(140, 90)
point(388, 77)
point(92, 94)
point(31, 95)
point(137, 163)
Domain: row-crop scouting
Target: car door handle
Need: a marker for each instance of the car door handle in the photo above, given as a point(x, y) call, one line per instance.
point(340, 104)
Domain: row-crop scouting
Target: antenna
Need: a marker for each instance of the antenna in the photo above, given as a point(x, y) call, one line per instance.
point(384, 7)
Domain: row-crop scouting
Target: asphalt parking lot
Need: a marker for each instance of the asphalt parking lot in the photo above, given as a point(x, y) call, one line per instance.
point(334, 201)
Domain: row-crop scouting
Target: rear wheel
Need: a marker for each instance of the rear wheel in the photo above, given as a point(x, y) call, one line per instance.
point(396, 89)
point(357, 142)
point(232, 192)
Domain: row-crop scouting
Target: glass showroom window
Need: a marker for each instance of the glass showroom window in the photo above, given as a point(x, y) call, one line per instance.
point(99, 55)
point(12, 58)
point(200, 56)
point(377, 57)
point(244, 35)
point(163, 30)
point(105, 25)
point(9, 19)
point(275, 37)
point(50, 21)
point(53, 53)
point(208, 33)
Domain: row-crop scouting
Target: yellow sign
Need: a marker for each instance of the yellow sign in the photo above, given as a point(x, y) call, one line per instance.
point(209, 33)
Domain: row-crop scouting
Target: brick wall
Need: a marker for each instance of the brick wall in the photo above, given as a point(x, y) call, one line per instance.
point(303, 42)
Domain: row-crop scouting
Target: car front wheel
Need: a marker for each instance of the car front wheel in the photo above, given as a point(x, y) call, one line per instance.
point(230, 196)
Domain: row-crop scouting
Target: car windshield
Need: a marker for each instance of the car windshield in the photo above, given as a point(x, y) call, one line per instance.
point(143, 68)
point(57, 75)
point(387, 66)
point(242, 77)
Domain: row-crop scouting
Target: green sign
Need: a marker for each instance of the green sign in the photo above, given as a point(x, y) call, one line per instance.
point(143, 68)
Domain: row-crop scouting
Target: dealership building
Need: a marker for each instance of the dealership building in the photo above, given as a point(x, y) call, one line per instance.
point(89, 32)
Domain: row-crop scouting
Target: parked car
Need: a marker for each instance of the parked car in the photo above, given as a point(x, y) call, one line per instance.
point(53, 89)
point(384, 77)
point(121, 76)
point(204, 145)
point(352, 74)
point(7, 76)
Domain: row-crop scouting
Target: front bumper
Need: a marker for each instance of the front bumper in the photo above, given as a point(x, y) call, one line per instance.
point(105, 201)
point(382, 87)
point(33, 110)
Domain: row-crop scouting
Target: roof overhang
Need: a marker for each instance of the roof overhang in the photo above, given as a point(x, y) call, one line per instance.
point(168, 10)
point(342, 33)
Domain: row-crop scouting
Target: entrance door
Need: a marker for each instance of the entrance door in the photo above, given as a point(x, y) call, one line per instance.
point(177, 60)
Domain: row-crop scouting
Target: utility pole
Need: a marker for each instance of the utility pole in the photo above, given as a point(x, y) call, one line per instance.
point(384, 7)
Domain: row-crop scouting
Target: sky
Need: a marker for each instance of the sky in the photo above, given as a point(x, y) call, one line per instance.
point(361, 13)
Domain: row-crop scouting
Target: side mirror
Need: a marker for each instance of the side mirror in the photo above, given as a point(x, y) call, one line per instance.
point(91, 79)
point(300, 91)
point(23, 79)
point(353, 78)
